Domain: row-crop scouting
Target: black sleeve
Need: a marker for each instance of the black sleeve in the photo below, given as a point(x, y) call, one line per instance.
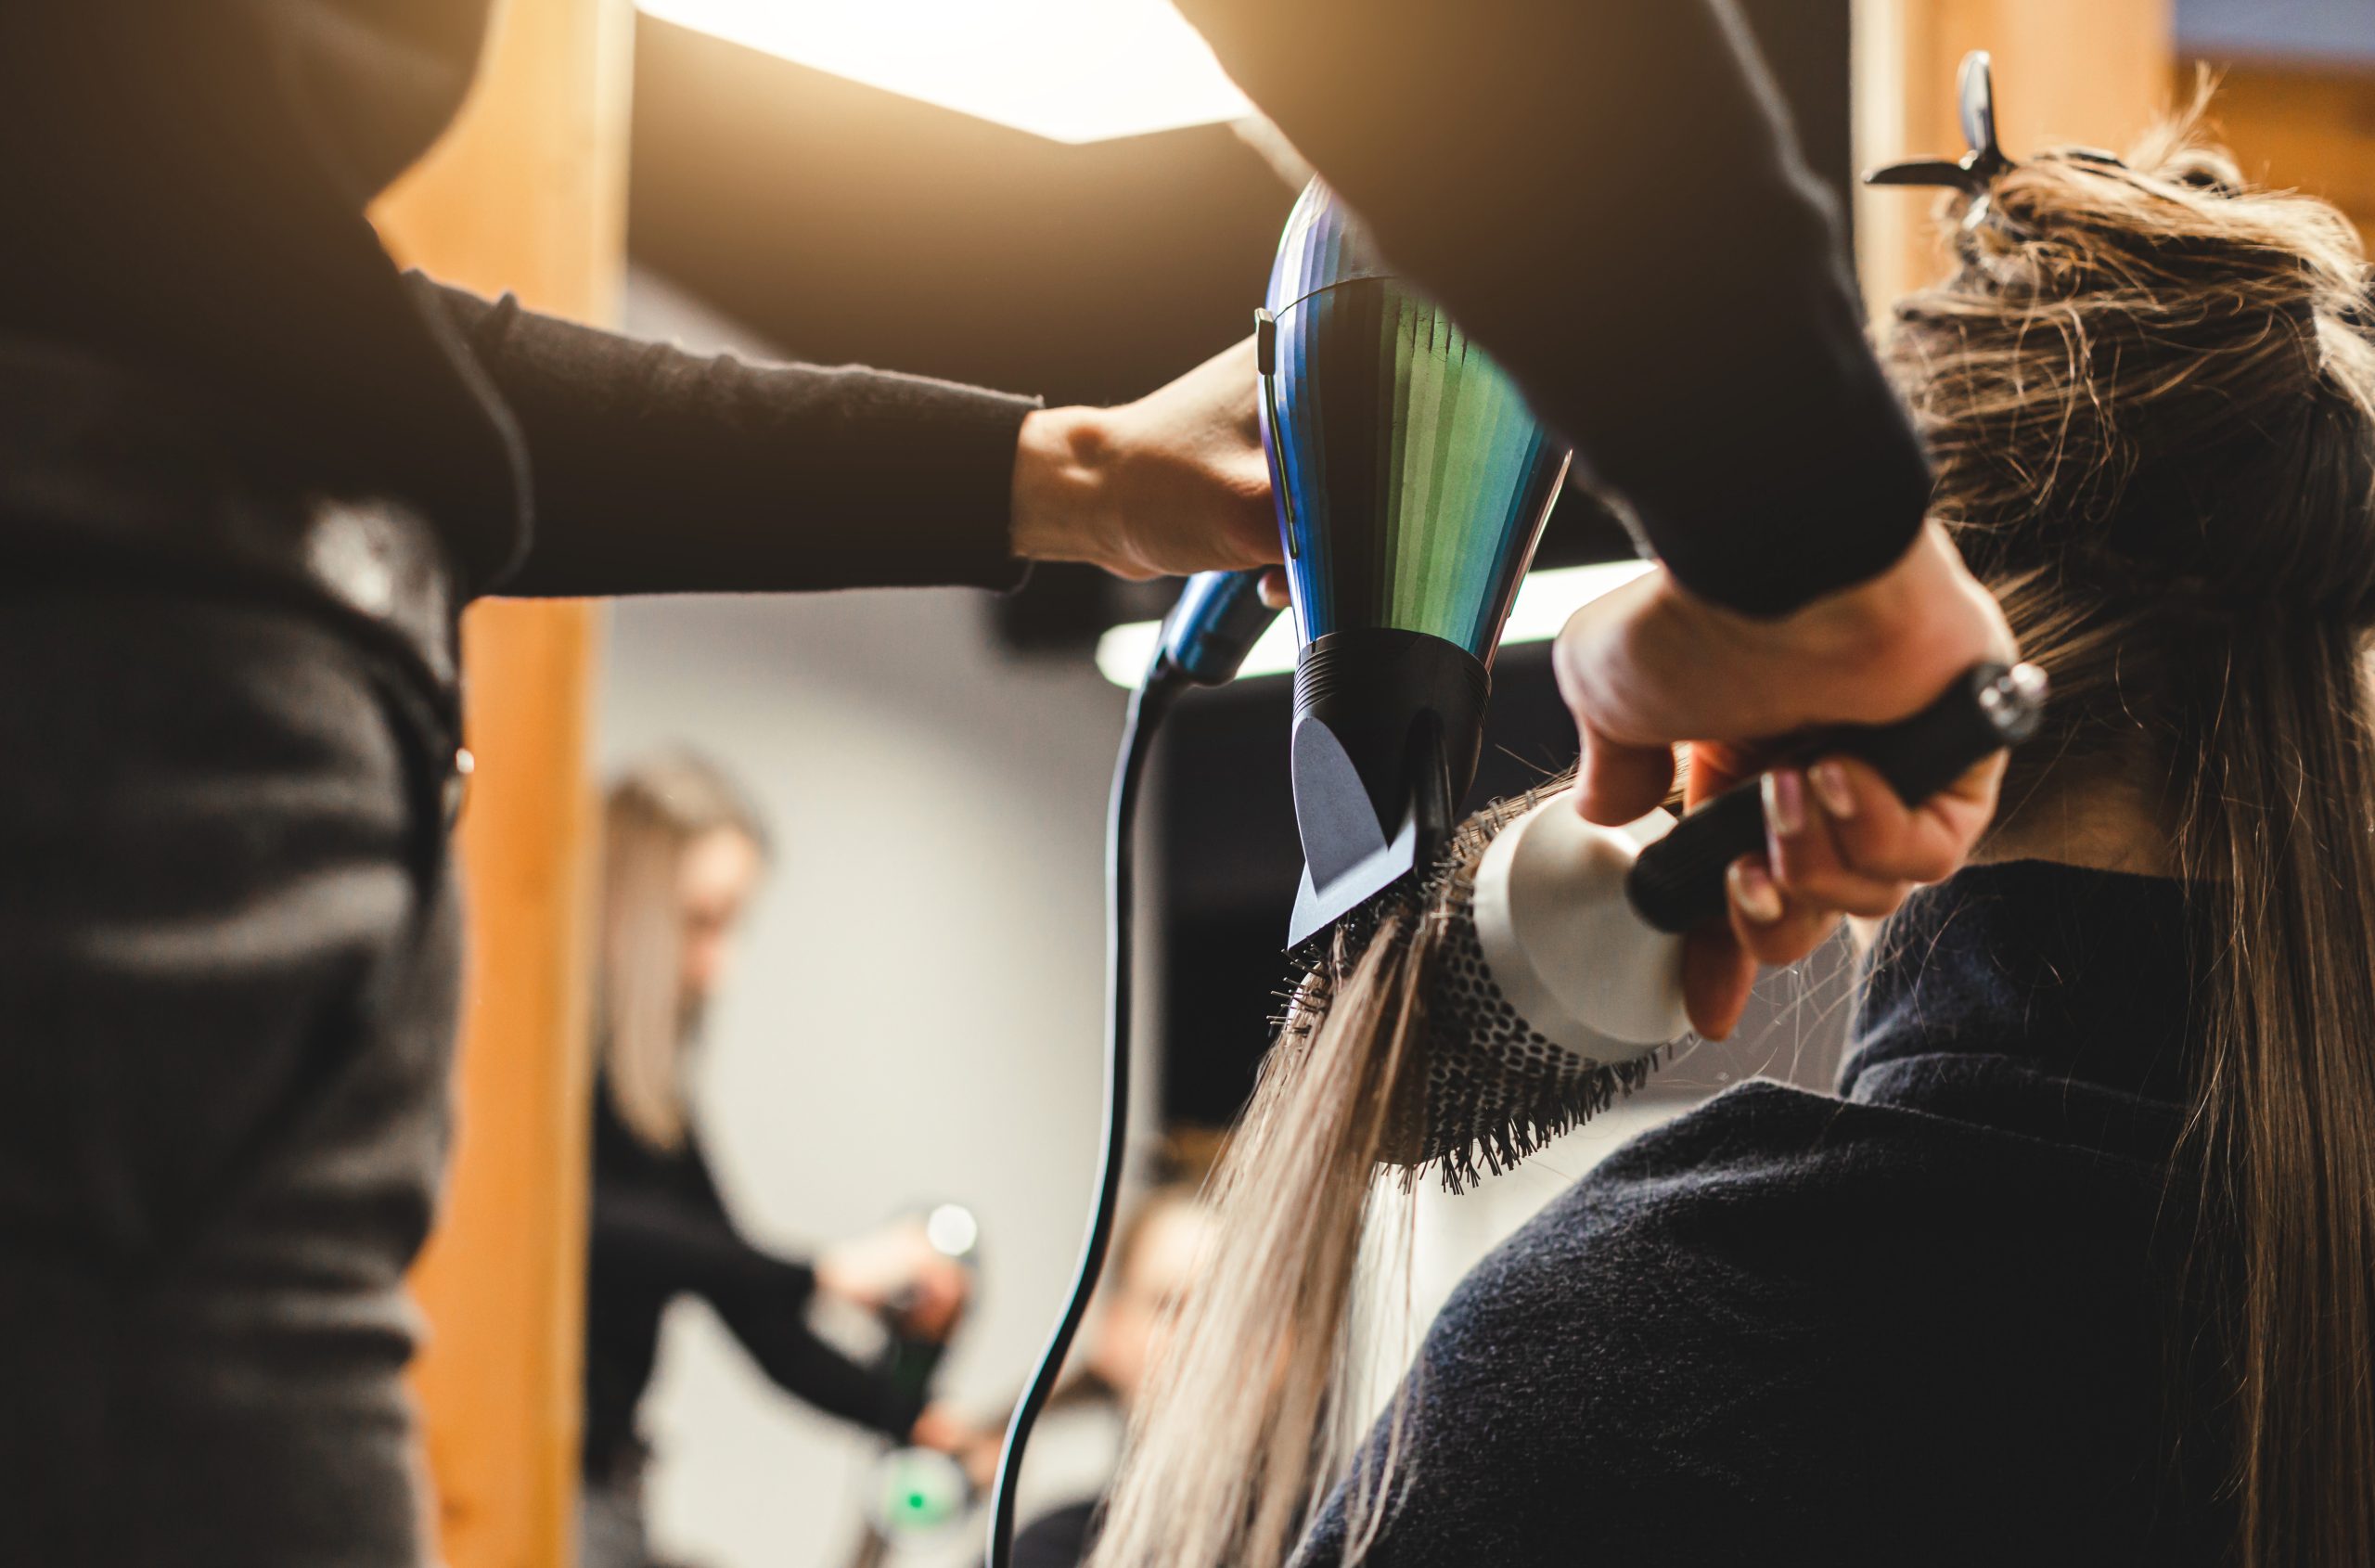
point(803, 1366)
point(649, 1237)
point(1607, 193)
point(656, 471)
point(671, 1241)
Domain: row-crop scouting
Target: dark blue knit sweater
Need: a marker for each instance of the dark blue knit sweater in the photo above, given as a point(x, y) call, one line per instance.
point(1923, 1324)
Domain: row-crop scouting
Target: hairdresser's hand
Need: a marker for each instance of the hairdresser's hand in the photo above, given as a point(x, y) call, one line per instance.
point(898, 1272)
point(1173, 483)
point(1650, 666)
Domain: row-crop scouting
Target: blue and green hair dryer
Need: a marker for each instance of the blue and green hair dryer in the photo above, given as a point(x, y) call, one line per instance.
point(1412, 485)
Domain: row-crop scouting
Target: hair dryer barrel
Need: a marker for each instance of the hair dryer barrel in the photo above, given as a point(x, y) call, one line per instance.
point(1412, 484)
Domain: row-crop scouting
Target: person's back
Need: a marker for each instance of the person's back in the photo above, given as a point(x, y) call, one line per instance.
point(1924, 1325)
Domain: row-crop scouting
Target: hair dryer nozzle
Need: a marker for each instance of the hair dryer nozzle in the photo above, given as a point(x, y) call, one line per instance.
point(1388, 727)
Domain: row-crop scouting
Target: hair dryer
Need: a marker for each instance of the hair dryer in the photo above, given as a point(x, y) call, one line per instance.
point(1412, 484)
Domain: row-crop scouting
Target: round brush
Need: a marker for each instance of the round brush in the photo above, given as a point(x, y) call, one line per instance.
point(1552, 948)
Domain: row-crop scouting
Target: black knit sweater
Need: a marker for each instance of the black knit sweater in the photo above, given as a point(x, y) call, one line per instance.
point(1924, 1323)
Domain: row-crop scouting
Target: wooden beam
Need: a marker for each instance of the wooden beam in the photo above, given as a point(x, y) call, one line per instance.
point(2301, 125)
point(527, 193)
point(2091, 72)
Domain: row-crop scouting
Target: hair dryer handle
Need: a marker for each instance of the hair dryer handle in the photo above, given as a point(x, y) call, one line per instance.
point(1678, 883)
point(1213, 626)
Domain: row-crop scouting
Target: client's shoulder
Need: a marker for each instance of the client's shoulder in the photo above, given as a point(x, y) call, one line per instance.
point(1721, 1317)
point(1662, 1221)
point(1819, 1220)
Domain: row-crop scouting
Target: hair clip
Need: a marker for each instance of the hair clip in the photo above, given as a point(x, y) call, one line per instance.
point(1977, 170)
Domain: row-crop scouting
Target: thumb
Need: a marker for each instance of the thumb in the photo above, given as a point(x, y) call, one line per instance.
point(1617, 781)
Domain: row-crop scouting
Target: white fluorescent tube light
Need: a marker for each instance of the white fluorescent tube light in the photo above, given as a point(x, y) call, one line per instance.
point(1071, 71)
point(1545, 601)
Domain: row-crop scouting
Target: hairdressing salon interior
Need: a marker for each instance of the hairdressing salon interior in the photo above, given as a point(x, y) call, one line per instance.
point(1067, 197)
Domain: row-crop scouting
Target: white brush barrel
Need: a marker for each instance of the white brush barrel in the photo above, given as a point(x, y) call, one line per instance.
point(1564, 947)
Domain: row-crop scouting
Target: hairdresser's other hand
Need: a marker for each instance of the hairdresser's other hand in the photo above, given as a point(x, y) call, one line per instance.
point(1173, 483)
point(896, 1271)
point(1651, 666)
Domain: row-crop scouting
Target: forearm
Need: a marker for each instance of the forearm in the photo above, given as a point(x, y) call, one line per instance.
point(656, 471)
point(796, 1360)
point(1608, 196)
point(662, 1241)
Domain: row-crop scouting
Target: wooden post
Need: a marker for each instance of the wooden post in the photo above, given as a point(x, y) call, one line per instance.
point(2303, 125)
point(2093, 71)
point(527, 193)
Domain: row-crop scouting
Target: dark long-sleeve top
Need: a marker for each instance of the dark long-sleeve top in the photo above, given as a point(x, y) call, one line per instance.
point(1604, 191)
point(1608, 195)
point(659, 1231)
point(185, 188)
point(1924, 1323)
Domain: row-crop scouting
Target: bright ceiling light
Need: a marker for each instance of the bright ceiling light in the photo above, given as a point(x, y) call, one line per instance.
point(1545, 600)
point(1073, 71)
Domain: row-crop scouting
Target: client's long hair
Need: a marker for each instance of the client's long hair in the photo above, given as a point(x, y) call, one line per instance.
point(1252, 1415)
point(2150, 395)
point(1260, 1407)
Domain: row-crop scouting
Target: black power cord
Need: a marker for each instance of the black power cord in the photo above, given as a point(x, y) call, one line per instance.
point(1157, 690)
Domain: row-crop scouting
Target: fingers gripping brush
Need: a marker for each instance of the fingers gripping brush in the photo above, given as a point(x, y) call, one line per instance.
point(1552, 948)
point(1205, 640)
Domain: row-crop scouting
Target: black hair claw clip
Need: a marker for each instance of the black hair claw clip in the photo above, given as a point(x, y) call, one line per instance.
point(1976, 170)
point(1979, 169)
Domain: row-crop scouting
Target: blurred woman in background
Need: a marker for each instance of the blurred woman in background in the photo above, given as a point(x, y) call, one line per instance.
point(683, 852)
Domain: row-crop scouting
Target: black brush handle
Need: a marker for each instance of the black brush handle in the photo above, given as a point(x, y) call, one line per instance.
point(1677, 884)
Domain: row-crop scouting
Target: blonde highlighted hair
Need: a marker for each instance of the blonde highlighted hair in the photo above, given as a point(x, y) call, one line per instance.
point(654, 812)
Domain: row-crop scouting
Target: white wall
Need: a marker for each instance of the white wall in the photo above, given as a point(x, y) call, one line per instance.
point(918, 1010)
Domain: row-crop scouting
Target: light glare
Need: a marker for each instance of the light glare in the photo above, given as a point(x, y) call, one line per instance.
point(952, 1231)
point(1071, 71)
point(1545, 600)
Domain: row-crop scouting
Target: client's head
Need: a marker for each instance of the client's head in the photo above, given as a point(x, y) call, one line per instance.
point(682, 851)
point(2149, 393)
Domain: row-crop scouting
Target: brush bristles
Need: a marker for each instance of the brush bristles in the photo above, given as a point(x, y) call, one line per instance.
point(1491, 1091)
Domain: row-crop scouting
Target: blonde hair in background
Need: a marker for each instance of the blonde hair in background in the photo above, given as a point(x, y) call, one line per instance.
point(653, 812)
